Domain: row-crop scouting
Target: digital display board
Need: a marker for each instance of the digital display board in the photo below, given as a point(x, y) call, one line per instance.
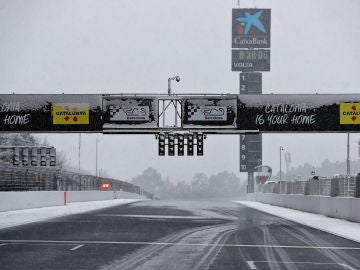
point(250, 60)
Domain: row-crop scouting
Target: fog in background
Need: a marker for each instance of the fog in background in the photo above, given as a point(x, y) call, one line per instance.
point(78, 46)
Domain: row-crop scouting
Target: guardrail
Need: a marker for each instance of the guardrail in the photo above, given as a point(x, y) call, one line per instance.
point(334, 187)
point(14, 178)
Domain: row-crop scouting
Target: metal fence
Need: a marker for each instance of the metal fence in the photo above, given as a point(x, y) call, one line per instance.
point(14, 178)
point(334, 187)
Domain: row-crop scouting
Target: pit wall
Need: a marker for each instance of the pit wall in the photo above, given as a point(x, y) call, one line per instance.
point(337, 207)
point(34, 199)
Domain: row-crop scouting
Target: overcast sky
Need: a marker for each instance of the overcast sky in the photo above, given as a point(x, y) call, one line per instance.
point(86, 46)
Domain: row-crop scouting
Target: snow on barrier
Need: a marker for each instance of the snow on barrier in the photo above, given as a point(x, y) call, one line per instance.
point(337, 207)
point(34, 199)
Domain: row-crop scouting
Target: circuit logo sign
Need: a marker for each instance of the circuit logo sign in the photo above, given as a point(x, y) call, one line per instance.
point(129, 113)
point(349, 113)
point(251, 28)
point(207, 113)
point(71, 114)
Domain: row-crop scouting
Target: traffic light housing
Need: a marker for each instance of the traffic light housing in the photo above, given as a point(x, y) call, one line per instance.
point(52, 156)
point(25, 156)
point(190, 144)
point(200, 144)
point(171, 144)
point(16, 158)
point(161, 139)
point(34, 156)
point(43, 157)
point(181, 139)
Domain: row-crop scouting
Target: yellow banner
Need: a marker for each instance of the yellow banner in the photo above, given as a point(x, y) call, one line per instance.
point(349, 113)
point(71, 114)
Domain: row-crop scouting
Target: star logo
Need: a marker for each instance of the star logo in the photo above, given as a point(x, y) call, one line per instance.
point(251, 20)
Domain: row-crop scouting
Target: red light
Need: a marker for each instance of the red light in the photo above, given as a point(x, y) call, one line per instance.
point(105, 186)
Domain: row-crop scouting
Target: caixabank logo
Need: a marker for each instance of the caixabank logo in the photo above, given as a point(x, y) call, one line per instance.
point(251, 28)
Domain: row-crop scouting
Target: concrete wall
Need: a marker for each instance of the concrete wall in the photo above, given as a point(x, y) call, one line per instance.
point(31, 199)
point(337, 207)
point(34, 199)
point(85, 196)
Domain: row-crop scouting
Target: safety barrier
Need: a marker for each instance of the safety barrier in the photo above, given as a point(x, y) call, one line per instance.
point(15, 200)
point(18, 178)
point(334, 187)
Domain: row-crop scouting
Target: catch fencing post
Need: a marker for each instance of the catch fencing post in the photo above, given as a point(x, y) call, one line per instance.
point(64, 197)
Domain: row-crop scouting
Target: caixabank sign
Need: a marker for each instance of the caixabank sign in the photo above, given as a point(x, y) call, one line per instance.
point(251, 28)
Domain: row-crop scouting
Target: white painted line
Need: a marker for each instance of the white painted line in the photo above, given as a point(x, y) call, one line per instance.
point(75, 248)
point(347, 266)
point(153, 216)
point(315, 263)
point(251, 265)
point(174, 244)
point(1, 245)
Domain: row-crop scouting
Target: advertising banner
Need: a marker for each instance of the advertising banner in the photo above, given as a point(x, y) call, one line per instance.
point(209, 112)
point(130, 112)
point(51, 113)
point(299, 113)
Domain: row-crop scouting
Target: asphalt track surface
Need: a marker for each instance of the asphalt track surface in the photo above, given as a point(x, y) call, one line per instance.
point(174, 235)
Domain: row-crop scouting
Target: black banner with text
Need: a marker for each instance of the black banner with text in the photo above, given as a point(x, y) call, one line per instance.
point(299, 113)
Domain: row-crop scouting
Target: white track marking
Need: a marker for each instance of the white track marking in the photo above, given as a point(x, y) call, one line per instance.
point(77, 247)
point(251, 265)
point(347, 266)
point(314, 263)
point(172, 244)
point(153, 216)
point(4, 244)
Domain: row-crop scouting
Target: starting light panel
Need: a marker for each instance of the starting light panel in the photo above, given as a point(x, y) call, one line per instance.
point(161, 144)
point(171, 145)
point(190, 145)
point(200, 144)
point(181, 139)
point(171, 140)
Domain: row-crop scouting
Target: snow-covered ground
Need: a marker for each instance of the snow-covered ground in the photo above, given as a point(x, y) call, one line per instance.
point(343, 228)
point(20, 217)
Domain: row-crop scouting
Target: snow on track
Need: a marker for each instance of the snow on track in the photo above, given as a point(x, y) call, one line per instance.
point(340, 227)
point(21, 217)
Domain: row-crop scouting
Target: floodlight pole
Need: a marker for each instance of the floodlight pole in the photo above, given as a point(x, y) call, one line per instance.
point(348, 155)
point(96, 157)
point(281, 149)
point(348, 164)
point(79, 150)
point(169, 86)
